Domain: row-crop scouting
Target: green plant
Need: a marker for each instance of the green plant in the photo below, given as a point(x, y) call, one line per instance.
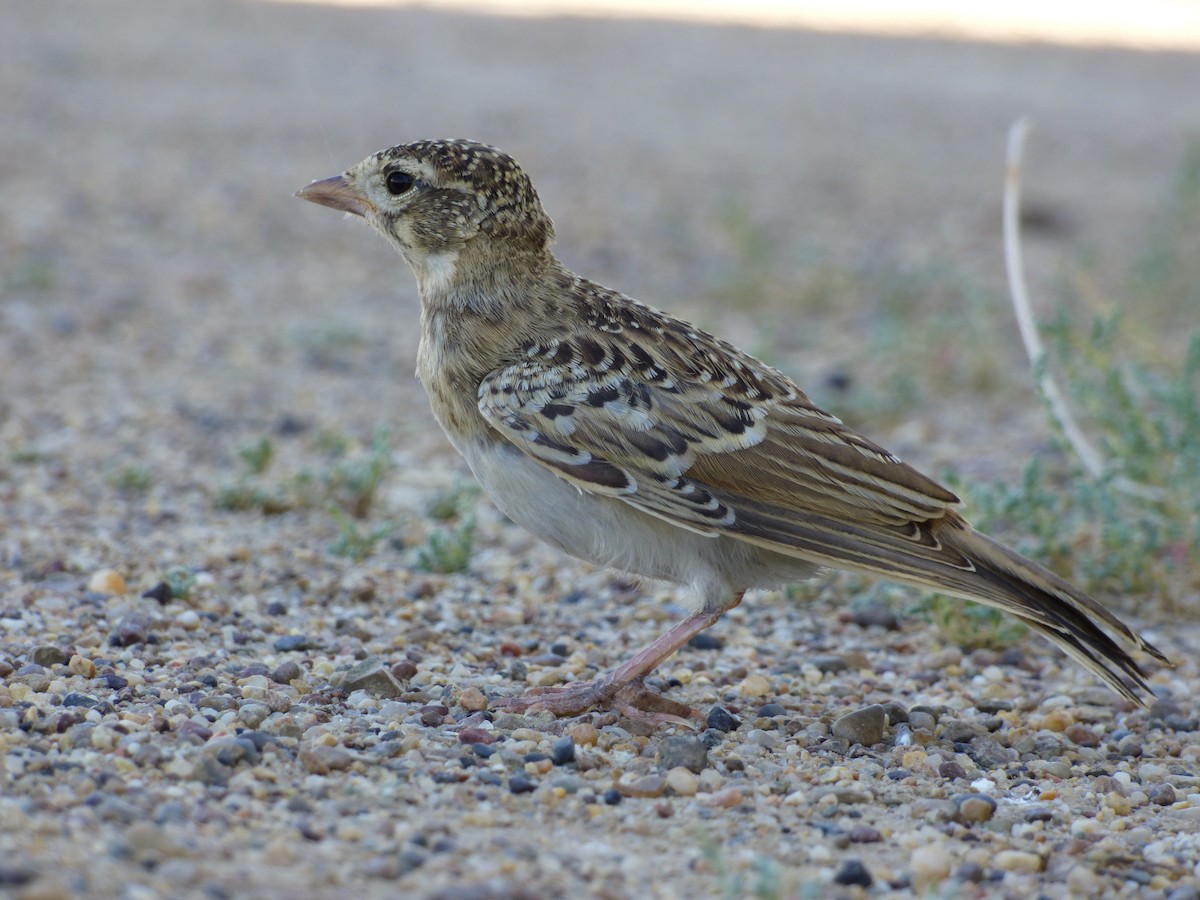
point(181, 582)
point(257, 455)
point(132, 479)
point(355, 541)
point(448, 550)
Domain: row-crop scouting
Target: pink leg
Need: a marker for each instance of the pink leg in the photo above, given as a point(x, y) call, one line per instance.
point(624, 690)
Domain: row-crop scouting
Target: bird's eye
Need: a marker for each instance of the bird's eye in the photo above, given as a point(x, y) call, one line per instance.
point(398, 182)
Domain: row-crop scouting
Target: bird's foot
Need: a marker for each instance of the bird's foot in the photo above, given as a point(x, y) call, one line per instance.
point(631, 699)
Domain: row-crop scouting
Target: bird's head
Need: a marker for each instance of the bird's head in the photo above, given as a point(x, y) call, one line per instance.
point(438, 200)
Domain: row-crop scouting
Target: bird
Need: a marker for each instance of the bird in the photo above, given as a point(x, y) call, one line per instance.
point(632, 439)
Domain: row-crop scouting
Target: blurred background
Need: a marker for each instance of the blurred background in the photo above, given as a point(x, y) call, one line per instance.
point(821, 184)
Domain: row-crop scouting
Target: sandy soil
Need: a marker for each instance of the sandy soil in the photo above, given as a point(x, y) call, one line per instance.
point(164, 301)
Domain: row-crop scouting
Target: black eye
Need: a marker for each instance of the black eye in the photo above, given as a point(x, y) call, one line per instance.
point(398, 182)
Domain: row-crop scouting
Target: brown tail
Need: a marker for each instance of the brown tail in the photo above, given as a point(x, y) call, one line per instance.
point(1051, 606)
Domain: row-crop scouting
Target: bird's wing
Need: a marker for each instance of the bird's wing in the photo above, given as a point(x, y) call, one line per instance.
point(687, 428)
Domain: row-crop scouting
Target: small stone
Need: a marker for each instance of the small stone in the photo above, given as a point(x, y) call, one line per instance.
point(952, 770)
point(584, 734)
point(81, 666)
point(862, 726)
point(476, 736)
point(706, 641)
point(107, 581)
point(865, 834)
point(404, 670)
point(47, 655)
point(1057, 720)
point(754, 686)
point(188, 620)
point(930, 864)
point(371, 676)
point(611, 797)
point(473, 699)
point(684, 751)
point(969, 872)
point(521, 784)
point(253, 714)
point(975, 809)
point(895, 712)
point(160, 592)
point(760, 738)
point(1162, 794)
point(286, 672)
point(291, 642)
point(720, 719)
point(76, 699)
point(1083, 736)
point(853, 871)
point(829, 664)
point(646, 786)
point(727, 798)
point(321, 760)
point(1017, 861)
point(875, 614)
point(682, 781)
point(918, 720)
point(960, 731)
point(771, 710)
point(562, 751)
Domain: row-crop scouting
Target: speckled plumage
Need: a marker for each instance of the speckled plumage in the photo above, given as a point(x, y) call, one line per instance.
point(632, 439)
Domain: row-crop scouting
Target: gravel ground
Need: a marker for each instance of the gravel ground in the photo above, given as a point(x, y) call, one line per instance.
point(198, 699)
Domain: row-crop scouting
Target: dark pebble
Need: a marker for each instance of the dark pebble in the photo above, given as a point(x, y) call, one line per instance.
point(290, 642)
point(895, 712)
point(16, 876)
point(452, 776)
point(970, 872)
point(865, 834)
point(519, 784)
point(612, 796)
point(115, 682)
point(1038, 814)
point(404, 670)
point(562, 751)
point(534, 757)
point(483, 751)
point(371, 676)
point(276, 608)
point(829, 664)
point(48, 655)
point(875, 614)
point(76, 699)
point(126, 634)
point(560, 649)
point(951, 769)
point(487, 776)
point(853, 872)
point(1012, 657)
point(721, 719)
point(771, 710)
point(683, 750)
point(476, 736)
point(1162, 794)
point(711, 738)
point(160, 592)
point(706, 641)
point(898, 774)
point(285, 672)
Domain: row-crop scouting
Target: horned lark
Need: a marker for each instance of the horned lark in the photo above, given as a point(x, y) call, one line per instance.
point(631, 439)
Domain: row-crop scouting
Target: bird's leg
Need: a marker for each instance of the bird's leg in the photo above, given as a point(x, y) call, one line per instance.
point(624, 690)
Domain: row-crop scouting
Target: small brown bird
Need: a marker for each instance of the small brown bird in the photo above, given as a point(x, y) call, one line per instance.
point(631, 439)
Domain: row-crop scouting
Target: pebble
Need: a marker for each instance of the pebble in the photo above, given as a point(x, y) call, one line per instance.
point(472, 699)
point(646, 786)
point(521, 784)
point(959, 731)
point(1057, 720)
point(759, 738)
point(852, 871)
point(862, 726)
point(107, 581)
point(562, 751)
point(875, 614)
point(919, 720)
point(47, 655)
point(865, 834)
point(771, 710)
point(720, 719)
point(1083, 736)
point(895, 712)
point(829, 664)
point(373, 677)
point(684, 751)
point(682, 781)
point(321, 759)
point(286, 672)
point(81, 666)
point(951, 770)
point(754, 686)
point(291, 642)
point(930, 864)
point(975, 809)
point(584, 734)
point(1162, 794)
point(1017, 861)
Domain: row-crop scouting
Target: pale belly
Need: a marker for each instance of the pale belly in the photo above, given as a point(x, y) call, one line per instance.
point(609, 532)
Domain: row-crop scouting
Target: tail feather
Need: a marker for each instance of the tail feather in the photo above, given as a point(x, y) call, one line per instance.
point(949, 556)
